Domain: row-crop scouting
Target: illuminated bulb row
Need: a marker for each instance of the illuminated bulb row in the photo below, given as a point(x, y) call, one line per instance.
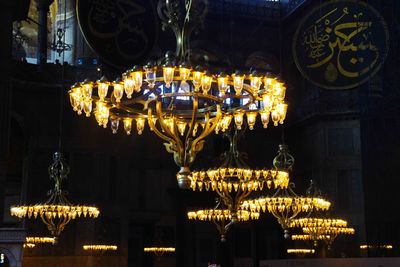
point(37, 240)
point(29, 245)
point(282, 204)
point(300, 251)
point(100, 247)
point(234, 179)
point(127, 124)
point(54, 211)
point(318, 222)
point(328, 230)
point(309, 237)
point(219, 215)
point(376, 246)
point(159, 249)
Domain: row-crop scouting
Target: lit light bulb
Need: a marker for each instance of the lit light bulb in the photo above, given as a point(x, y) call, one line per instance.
point(226, 121)
point(137, 77)
point(275, 117)
point(168, 74)
point(264, 118)
point(269, 82)
point(128, 84)
point(184, 72)
point(114, 125)
point(150, 71)
point(87, 88)
point(282, 110)
point(251, 119)
point(87, 106)
point(80, 107)
point(118, 91)
point(223, 83)
point(128, 125)
point(206, 83)
point(238, 80)
point(197, 78)
point(238, 116)
point(268, 102)
point(279, 90)
point(255, 82)
point(140, 123)
point(102, 88)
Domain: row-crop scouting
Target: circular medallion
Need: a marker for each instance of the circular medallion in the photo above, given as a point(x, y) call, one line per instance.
point(341, 44)
point(121, 32)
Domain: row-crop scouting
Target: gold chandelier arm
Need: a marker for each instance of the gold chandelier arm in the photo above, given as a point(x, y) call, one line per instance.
point(208, 128)
point(165, 127)
point(189, 134)
point(155, 129)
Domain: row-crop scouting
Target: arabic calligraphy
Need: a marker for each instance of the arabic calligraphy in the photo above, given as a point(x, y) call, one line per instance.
point(123, 32)
point(340, 44)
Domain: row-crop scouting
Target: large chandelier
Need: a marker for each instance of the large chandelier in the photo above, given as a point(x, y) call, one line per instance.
point(181, 103)
point(285, 205)
point(222, 217)
point(57, 211)
point(234, 180)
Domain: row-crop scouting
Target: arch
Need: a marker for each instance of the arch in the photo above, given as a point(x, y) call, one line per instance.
point(12, 261)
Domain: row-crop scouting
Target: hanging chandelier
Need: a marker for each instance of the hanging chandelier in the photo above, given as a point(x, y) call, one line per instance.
point(57, 211)
point(300, 251)
point(330, 233)
point(100, 247)
point(234, 180)
point(306, 237)
point(222, 217)
point(159, 251)
point(285, 205)
point(318, 226)
point(181, 103)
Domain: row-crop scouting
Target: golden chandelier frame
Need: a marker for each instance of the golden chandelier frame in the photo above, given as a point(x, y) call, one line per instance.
point(182, 104)
point(57, 211)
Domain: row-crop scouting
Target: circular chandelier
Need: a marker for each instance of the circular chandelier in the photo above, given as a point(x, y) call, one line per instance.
point(159, 251)
point(222, 218)
point(100, 247)
point(181, 103)
point(330, 233)
point(300, 251)
point(285, 205)
point(234, 180)
point(57, 211)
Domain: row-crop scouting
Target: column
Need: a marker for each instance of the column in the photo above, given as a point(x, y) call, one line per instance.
point(43, 9)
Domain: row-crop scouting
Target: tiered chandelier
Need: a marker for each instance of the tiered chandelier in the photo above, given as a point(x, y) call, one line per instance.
point(222, 217)
point(234, 180)
point(285, 205)
point(181, 103)
point(57, 211)
point(318, 226)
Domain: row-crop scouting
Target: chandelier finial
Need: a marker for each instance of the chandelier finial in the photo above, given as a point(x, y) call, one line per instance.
point(284, 160)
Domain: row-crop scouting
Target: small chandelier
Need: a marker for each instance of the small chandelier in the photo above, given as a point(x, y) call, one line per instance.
point(57, 211)
point(100, 247)
point(181, 103)
point(320, 227)
point(305, 237)
point(159, 251)
point(300, 251)
point(234, 180)
point(222, 218)
point(285, 205)
point(329, 232)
